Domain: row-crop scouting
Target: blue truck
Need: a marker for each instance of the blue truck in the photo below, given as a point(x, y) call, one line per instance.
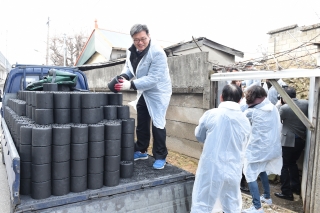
point(149, 190)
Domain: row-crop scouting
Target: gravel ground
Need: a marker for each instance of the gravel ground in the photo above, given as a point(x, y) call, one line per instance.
point(278, 206)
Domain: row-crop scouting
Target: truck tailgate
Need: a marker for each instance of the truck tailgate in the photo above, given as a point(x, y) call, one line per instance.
point(167, 190)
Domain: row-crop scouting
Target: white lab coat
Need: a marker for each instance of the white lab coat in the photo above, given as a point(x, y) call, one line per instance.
point(153, 81)
point(273, 94)
point(224, 131)
point(263, 151)
point(251, 83)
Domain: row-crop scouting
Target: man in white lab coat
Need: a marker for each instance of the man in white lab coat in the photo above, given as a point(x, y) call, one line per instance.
point(147, 65)
point(224, 132)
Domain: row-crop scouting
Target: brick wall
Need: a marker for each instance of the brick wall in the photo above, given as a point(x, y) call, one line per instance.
point(292, 37)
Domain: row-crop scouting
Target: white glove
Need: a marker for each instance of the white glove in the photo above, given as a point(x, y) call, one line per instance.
point(126, 85)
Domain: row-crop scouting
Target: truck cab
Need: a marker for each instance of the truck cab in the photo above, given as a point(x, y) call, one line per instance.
point(21, 75)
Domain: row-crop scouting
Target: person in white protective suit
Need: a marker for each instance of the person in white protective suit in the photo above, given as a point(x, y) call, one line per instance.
point(263, 154)
point(147, 62)
point(224, 132)
point(272, 92)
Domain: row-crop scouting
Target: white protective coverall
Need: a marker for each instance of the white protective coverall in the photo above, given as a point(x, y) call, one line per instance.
point(263, 151)
point(153, 80)
point(273, 94)
point(224, 131)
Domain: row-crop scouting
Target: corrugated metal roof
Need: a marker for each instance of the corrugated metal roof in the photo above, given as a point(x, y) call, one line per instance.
point(204, 41)
point(101, 64)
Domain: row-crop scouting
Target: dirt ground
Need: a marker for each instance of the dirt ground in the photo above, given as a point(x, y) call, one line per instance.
point(279, 205)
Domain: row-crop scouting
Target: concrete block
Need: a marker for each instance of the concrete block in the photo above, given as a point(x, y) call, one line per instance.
point(282, 42)
point(184, 146)
point(184, 114)
point(291, 40)
point(129, 96)
point(285, 47)
point(186, 100)
point(180, 130)
point(188, 70)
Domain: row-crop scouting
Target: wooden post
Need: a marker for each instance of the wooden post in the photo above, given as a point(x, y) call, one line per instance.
point(292, 105)
point(311, 204)
point(312, 171)
point(213, 94)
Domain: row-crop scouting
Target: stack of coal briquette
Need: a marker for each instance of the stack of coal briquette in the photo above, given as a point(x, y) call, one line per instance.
point(70, 141)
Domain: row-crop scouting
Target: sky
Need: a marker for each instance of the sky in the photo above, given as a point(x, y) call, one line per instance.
point(242, 25)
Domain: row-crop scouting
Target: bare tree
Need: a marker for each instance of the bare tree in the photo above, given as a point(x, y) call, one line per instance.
point(74, 46)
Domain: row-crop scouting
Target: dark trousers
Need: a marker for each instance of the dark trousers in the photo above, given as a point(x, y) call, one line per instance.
point(290, 180)
point(159, 149)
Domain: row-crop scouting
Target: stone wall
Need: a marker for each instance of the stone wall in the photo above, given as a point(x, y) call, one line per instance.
point(190, 98)
point(293, 36)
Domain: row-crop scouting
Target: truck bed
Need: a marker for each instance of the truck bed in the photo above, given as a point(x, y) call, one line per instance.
point(149, 190)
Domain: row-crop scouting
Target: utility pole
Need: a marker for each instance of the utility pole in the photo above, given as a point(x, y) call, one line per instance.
point(64, 50)
point(47, 52)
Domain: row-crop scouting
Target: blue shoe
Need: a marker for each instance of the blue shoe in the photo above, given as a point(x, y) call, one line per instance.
point(159, 164)
point(140, 156)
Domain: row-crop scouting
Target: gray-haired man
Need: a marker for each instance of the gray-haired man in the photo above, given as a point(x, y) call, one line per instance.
point(147, 62)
